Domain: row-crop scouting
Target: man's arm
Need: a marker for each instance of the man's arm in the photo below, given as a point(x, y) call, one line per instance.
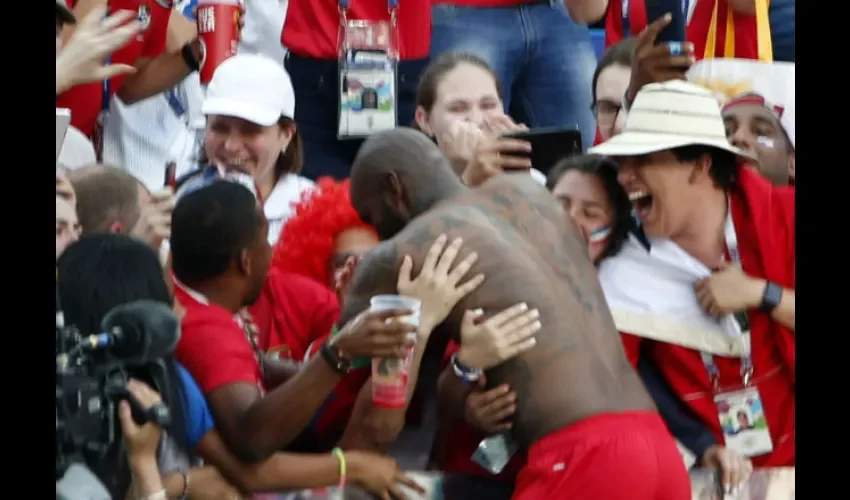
point(254, 427)
point(158, 74)
point(586, 11)
point(370, 427)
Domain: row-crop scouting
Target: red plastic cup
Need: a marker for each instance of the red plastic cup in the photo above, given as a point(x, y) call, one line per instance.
point(218, 33)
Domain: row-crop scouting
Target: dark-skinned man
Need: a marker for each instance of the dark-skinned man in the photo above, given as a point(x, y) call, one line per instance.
point(591, 429)
point(220, 258)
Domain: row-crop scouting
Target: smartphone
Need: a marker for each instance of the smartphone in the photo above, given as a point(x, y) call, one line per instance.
point(549, 145)
point(63, 121)
point(675, 31)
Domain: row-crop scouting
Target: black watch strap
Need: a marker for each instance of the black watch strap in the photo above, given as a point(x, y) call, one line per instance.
point(335, 359)
point(771, 297)
point(189, 57)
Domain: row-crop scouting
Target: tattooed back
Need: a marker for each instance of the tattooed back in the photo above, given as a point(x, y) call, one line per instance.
point(530, 252)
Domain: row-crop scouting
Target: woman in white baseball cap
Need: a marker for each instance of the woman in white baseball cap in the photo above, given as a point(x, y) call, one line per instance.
point(249, 107)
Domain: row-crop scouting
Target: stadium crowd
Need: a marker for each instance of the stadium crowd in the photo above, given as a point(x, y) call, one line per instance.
point(625, 304)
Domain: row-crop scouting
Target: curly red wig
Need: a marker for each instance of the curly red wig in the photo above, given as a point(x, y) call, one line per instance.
point(307, 241)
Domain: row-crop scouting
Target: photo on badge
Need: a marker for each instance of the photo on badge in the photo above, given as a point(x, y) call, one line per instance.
point(367, 103)
point(744, 423)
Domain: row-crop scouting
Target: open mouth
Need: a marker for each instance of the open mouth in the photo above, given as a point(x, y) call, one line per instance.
point(642, 201)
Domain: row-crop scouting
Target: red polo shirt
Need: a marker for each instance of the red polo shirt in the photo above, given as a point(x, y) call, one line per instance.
point(312, 26)
point(86, 101)
point(213, 347)
point(291, 312)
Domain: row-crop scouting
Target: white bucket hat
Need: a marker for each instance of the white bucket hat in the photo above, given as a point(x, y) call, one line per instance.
point(670, 115)
point(252, 87)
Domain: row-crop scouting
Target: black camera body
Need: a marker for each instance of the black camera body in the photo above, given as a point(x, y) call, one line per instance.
point(92, 372)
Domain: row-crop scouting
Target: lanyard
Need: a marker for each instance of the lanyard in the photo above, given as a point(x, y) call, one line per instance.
point(626, 4)
point(174, 102)
point(391, 4)
point(740, 317)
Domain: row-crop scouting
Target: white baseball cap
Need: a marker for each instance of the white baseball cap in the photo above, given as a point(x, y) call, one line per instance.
point(252, 87)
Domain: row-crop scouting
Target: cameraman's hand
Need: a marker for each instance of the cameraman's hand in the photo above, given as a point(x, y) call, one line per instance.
point(658, 63)
point(372, 335)
point(141, 441)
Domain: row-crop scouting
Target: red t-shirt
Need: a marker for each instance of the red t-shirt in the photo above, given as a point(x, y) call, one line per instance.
point(213, 346)
point(772, 346)
point(86, 101)
point(291, 312)
point(462, 441)
point(312, 26)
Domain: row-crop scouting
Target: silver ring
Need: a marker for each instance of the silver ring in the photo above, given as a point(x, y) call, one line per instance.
point(675, 48)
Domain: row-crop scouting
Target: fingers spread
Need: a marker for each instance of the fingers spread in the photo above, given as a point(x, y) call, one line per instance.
point(434, 254)
point(448, 257)
point(503, 316)
point(404, 278)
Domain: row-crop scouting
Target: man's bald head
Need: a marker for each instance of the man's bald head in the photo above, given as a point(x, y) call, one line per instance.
point(108, 198)
point(396, 176)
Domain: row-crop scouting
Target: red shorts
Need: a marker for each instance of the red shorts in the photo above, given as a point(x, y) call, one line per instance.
point(607, 457)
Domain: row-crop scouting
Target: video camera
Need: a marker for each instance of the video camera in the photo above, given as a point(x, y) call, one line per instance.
point(92, 375)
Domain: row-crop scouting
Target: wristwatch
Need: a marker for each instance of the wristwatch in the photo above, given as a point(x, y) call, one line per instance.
point(189, 57)
point(465, 374)
point(334, 357)
point(771, 297)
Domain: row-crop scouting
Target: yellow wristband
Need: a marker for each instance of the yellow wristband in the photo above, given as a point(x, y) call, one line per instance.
point(337, 452)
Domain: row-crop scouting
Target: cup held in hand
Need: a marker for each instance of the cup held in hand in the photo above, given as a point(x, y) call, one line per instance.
point(390, 375)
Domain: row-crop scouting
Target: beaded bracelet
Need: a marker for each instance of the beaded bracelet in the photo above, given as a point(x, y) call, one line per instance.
point(337, 452)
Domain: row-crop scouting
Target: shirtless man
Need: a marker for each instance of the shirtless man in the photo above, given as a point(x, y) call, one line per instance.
point(591, 429)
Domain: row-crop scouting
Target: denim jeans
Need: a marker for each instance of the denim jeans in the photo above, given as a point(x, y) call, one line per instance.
point(316, 85)
point(544, 59)
point(782, 29)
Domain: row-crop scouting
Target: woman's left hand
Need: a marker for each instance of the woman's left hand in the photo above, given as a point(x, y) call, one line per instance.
point(728, 290)
point(437, 284)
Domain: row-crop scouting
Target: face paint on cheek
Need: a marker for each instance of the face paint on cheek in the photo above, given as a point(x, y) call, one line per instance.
point(599, 235)
point(765, 142)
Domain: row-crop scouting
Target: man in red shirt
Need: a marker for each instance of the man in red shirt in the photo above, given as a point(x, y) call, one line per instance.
point(722, 265)
point(310, 33)
point(220, 256)
point(156, 70)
